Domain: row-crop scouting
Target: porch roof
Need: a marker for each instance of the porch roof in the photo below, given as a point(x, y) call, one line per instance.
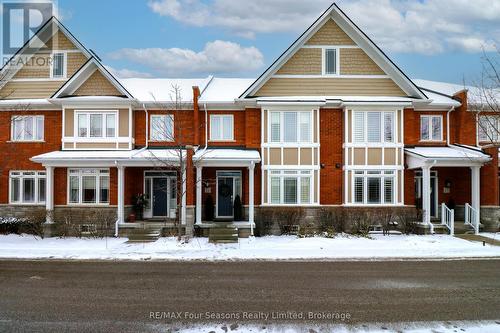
point(226, 157)
point(111, 158)
point(449, 156)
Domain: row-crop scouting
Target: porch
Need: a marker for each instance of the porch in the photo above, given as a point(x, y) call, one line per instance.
point(447, 186)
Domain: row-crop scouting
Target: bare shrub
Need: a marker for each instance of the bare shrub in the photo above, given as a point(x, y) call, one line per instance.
point(67, 226)
point(408, 220)
point(385, 217)
point(290, 219)
point(332, 219)
point(359, 220)
point(99, 222)
point(265, 222)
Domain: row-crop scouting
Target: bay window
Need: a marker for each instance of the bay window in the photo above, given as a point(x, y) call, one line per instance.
point(374, 187)
point(290, 127)
point(27, 187)
point(88, 186)
point(373, 127)
point(96, 124)
point(290, 187)
point(27, 128)
point(162, 127)
point(431, 128)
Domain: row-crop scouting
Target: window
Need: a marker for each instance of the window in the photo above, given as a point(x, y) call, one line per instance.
point(96, 124)
point(58, 65)
point(431, 128)
point(330, 62)
point(374, 187)
point(27, 128)
point(290, 127)
point(162, 127)
point(221, 127)
point(290, 187)
point(373, 127)
point(27, 187)
point(489, 128)
point(88, 186)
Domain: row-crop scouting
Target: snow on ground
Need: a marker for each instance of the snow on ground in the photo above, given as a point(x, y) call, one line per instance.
point(435, 327)
point(492, 235)
point(260, 248)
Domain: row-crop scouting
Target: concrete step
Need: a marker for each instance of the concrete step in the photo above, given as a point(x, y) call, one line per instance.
point(223, 234)
point(144, 235)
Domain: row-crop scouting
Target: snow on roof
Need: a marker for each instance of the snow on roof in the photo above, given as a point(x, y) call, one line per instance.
point(118, 155)
point(227, 154)
point(162, 90)
point(225, 90)
point(449, 152)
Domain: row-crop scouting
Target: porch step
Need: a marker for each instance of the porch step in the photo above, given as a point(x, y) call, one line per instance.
point(223, 233)
point(460, 228)
point(144, 235)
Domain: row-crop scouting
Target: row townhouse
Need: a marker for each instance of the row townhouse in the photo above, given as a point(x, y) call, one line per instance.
point(332, 122)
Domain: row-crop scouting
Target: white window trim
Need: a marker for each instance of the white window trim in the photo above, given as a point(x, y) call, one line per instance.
point(381, 176)
point(104, 123)
point(151, 138)
point(65, 65)
point(35, 128)
point(430, 128)
point(382, 129)
point(96, 173)
point(211, 139)
point(282, 142)
point(337, 61)
point(299, 177)
point(38, 175)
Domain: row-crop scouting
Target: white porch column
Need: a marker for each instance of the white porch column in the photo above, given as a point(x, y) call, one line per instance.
point(121, 196)
point(183, 196)
point(426, 194)
point(475, 189)
point(49, 194)
point(251, 218)
point(199, 170)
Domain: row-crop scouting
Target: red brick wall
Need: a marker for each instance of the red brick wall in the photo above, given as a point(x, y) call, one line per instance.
point(464, 123)
point(183, 128)
point(253, 128)
point(239, 129)
point(489, 180)
point(60, 186)
point(331, 152)
point(412, 127)
point(16, 155)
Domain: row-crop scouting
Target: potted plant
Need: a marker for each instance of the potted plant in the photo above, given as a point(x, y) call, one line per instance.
point(139, 202)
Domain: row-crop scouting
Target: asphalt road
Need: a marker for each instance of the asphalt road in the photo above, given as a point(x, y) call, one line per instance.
point(55, 296)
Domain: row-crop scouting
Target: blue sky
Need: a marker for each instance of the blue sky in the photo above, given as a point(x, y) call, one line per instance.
point(432, 39)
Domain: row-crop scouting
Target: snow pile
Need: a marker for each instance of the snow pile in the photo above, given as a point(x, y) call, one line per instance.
point(264, 248)
point(11, 220)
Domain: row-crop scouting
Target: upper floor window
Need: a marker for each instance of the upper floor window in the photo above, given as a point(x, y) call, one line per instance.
point(27, 128)
point(96, 124)
point(27, 187)
point(489, 128)
point(290, 127)
point(330, 62)
point(221, 127)
point(58, 66)
point(88, 186)
point(373, 127)
point(431, 128)
point(162, 127)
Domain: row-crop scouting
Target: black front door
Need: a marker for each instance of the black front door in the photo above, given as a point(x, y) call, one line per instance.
point(225, 197)
point(160, 196)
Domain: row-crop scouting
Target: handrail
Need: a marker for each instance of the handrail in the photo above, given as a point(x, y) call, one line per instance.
point(448, 218)
point(472, 217)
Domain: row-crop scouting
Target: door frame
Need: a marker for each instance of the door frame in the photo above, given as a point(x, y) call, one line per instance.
point(434, 175)
point(227, 174)
point(159, 174)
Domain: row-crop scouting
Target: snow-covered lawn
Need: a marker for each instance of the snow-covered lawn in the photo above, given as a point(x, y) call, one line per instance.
point(265, 248)
point(492, 235)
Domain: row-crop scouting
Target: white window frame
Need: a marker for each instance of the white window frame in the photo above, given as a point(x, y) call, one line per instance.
point(65, 65)
point(221, 122)
point(298, 129)
point(104, 114)
point(98, 173)
point(382, 175)
point(21, 175)
point(381, 124)
point(152, 138)
point(431, 128)
point(298, 174)
point(35, 128)
point(337, 61)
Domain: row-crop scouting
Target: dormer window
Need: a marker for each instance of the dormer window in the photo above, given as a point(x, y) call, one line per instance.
point(330, 62)
point(58, 68)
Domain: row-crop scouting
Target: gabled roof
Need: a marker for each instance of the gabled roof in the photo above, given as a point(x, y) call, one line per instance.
point(358, 36)
point(84, 73)
point(38, 40)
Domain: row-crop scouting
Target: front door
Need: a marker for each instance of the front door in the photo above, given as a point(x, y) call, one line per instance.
point(225, 190)
point(160, 197)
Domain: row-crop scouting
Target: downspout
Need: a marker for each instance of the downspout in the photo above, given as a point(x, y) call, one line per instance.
point(448, 126)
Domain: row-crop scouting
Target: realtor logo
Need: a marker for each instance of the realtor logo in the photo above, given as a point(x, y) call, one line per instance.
point(21, 20)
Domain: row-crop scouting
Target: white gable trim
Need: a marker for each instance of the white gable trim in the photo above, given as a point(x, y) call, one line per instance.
point(358, 36)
